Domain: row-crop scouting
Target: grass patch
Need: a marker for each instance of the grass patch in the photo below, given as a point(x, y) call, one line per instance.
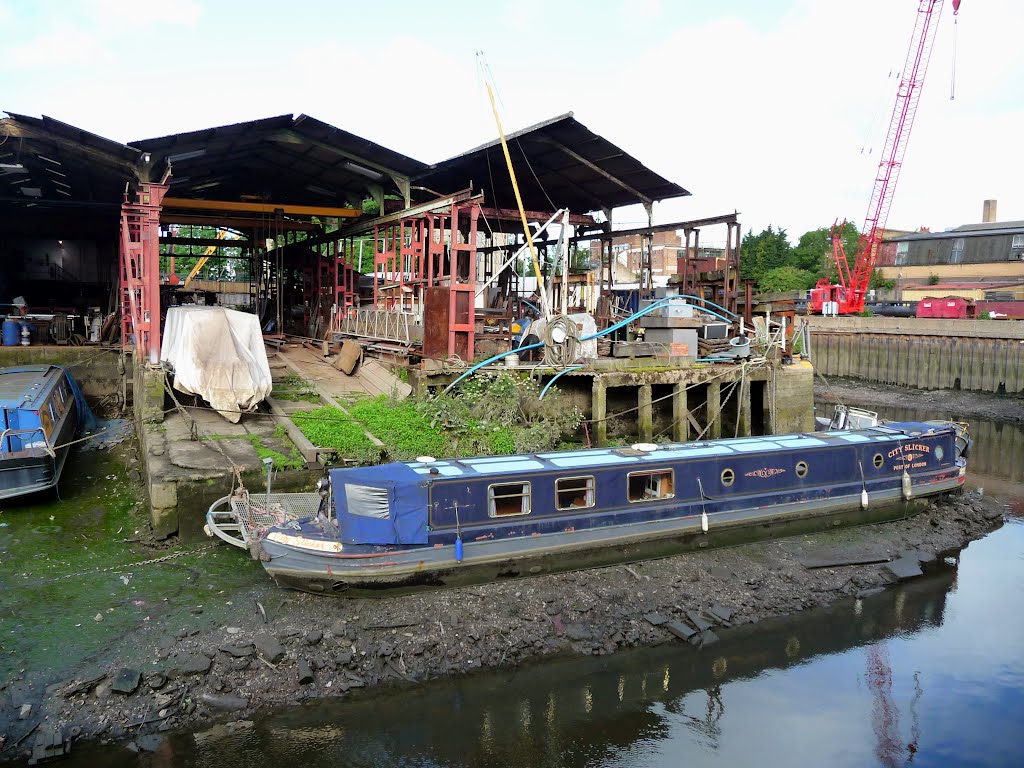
point(496, 416)
point(295, 388)
point(292, 460)
point(328, 427)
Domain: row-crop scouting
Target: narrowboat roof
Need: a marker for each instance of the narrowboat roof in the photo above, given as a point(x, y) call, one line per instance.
point(590, 458)
point(27, 386)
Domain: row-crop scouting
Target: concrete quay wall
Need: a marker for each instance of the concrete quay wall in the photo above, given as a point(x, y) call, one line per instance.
point(970, 355)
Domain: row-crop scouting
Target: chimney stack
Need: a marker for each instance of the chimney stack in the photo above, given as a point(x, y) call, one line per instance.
point(988, 212)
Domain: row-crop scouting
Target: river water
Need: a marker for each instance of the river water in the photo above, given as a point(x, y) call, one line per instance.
point(930, 673)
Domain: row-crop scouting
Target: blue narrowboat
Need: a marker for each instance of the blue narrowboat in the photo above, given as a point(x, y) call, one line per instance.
point(448, 522)
point(40, 411)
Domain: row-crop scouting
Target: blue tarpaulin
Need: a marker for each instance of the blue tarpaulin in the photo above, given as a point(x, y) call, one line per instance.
point(386, 504)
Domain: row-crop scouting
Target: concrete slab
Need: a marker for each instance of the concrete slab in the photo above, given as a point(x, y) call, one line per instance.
point(832, 558)
point(708, 638)
point(261, 427)
point(699, 621)
point(655, 619)
point(202, 455)
point(904, 568)
point(720, 612)
point(212, 423)
point(681, 630)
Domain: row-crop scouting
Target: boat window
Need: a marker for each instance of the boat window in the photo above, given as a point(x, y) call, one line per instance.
point(508, 499)
point(878, 461)
point(801, 469)
point(367, 501)
point(46, 421)
point(728, 477)
point(644, 486)
point(574, 492)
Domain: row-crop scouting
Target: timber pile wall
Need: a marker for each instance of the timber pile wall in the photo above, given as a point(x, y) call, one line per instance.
point(982, 356)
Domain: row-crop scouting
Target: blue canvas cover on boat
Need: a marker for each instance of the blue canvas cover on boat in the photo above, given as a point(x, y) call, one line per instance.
point(386, 504)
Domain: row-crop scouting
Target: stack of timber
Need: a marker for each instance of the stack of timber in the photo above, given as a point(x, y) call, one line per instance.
point(708, 347)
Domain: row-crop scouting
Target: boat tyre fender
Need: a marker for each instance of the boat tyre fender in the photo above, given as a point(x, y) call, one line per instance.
point(258, 552)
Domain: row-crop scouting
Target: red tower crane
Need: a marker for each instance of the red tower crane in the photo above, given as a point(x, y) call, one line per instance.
point(848, 296)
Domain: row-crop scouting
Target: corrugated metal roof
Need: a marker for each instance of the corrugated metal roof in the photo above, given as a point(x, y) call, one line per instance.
point(48, 162)
point(301, 161)
point(967, 230)
point(559, 163)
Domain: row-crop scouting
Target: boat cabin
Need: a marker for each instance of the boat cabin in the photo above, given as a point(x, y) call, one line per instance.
point(434, 502)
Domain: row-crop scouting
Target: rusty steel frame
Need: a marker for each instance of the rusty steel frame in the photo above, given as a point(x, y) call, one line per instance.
point(139, 250)
point(428, 249)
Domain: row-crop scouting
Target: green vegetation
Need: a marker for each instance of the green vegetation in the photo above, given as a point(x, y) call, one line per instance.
point(495, 416)
point(74, 586)
point(294, 387)
point(933, 279)
point(328, 427)
point(290, 460)
point(774, 265)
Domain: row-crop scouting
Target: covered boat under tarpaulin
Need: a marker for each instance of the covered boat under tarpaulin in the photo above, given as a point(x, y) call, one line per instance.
point(218, 354)
point(386, 504)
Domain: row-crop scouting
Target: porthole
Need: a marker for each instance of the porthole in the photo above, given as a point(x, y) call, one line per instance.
point(801, 469)
point(878, 461)
point(728, 477)
point(939, 453)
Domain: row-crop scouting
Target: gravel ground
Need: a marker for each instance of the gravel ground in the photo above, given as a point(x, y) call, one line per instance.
point(268, 647)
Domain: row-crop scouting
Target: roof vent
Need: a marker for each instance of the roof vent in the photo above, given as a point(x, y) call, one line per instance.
point(425, 459)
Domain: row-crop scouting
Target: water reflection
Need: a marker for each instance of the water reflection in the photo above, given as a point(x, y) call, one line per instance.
point(577, 712)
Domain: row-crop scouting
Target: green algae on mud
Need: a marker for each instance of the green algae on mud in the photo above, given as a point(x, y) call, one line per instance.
point(72, 583)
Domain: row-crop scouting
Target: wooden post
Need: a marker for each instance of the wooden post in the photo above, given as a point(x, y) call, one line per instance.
point(645, 414)
point(714, 409)
point(680, 413)
point(598, 409)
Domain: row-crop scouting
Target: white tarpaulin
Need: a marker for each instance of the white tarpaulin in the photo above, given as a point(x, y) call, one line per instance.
point(218, 354)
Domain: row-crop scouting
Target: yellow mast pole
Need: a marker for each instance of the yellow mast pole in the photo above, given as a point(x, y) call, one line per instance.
point(522, 212)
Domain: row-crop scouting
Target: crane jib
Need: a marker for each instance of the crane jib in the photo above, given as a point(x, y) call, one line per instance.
point(849, 295)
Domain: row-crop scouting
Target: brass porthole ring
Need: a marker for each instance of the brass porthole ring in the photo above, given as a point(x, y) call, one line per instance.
point(728, 477)
point(801, 469)
point(878, 461)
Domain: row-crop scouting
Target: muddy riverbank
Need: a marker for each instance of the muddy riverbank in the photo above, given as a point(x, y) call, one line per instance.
point(957, 404)
point(205, 635)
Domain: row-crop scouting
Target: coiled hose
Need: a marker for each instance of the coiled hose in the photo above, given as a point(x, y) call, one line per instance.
point(561, 342)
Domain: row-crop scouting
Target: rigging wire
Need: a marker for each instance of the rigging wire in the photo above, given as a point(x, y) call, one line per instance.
point(952, 81)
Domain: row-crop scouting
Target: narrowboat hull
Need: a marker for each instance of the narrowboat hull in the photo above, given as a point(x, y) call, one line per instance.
point(35, 469)
point(33, 474)
point(308, 555)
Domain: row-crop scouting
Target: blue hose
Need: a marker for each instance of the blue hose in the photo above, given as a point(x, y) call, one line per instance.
point(556, 376)
point(646, 310)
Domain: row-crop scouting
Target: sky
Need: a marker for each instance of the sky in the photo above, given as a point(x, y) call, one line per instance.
point(777, 110)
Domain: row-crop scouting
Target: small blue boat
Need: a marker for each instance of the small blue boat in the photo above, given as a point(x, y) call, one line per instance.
point(434, 523)
point(41, 409)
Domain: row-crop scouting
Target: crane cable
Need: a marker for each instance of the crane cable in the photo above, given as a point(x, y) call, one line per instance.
point(952, 80)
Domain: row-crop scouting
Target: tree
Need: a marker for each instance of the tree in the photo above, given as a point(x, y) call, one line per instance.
point(763, 252)
point(787, 278)
point(814, 251)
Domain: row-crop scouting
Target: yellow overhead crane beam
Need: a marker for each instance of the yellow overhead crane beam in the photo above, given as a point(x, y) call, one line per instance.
point(264, 208)
point(210, 250)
